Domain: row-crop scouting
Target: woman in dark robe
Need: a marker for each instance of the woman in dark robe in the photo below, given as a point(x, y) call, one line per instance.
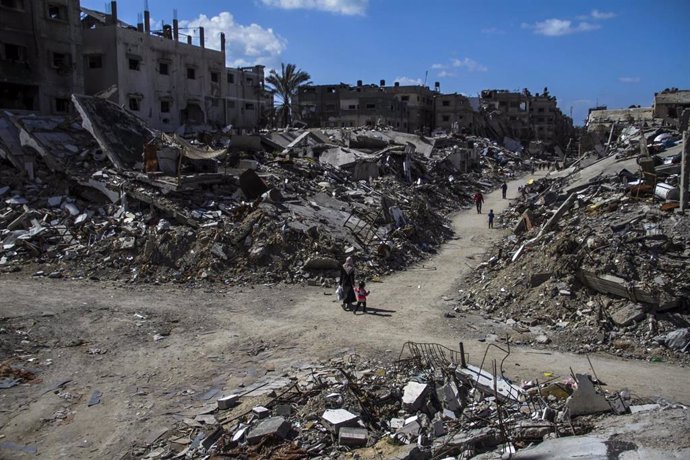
point(347, 282)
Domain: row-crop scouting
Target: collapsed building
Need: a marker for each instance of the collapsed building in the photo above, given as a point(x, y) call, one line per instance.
point(108, 197)
point(598, 258)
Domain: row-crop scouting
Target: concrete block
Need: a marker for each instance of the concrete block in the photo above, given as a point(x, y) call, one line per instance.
point(339, 418)
point(449, 414)
point(397, 423)
point(644, 408)
point(261, 412)
point(413, 395)
point(272, 426)
point(353, 437)
point(449, 396)
point(585, 400)
point(284, 410)
point(628, 314)
point(439, 428)
point(226, 402)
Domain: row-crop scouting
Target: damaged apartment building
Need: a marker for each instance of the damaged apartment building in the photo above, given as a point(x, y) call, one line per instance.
point(418, 109)
point(52, 49)
point(40, 50)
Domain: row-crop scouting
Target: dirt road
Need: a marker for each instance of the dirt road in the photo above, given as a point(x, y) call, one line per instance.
point(101, 336)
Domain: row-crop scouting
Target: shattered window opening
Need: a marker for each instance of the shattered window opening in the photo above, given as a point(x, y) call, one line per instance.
point(165, 106)
point(61, 105)
point(249, 106)
point(95, 61)
point(231, 78)
point(134, 64)
point(14, 53)
point(445, 103)
point(57, 11)
point(134, 104)
point(61, 60)
point(446, 117)
point(163, 68)
point(191, 73)
point(215, 77)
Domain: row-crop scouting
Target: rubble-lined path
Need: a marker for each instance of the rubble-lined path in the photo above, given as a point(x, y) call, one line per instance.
point(154, 351)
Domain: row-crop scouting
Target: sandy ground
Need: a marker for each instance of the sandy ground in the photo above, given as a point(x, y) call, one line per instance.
point(221, 337)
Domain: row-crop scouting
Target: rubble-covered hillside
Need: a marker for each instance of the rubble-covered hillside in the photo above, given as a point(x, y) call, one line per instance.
point(599, 259)
point(105, 197)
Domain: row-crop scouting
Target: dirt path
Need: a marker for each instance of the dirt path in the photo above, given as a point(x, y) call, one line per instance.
point(223, 337)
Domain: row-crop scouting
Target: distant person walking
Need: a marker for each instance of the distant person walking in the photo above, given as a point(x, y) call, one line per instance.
point(478, 201)
point(504, 189)
point(491, 218)
point(347, 282)
point(362, 294)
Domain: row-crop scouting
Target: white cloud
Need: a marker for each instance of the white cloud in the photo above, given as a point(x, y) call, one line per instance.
point(596, 14)
point(445, 74)
point(558, 27)
point(407, 81)
point(629, 79)
point(346, 7)
point(493, 31)
point(469, 64)
point(439, 66)
point(245, 44)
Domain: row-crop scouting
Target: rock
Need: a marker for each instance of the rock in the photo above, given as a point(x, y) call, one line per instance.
point(413, 395)
point(585, 400)
point(537, 279)
point(272, 426)
point(542, 339)
point(628, 314)
point(321, 263)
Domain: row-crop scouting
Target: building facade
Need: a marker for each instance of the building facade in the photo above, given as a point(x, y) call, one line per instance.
point(246, 99)
point(40, 55)
point(670, 103)
point(323, 106)
point(453, 113)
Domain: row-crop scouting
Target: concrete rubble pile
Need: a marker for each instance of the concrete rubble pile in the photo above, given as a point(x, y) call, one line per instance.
point(425, 405)
point(598, 257)
point(105, 197)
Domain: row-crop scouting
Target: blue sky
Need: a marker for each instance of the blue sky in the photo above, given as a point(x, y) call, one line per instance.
point(614, 53)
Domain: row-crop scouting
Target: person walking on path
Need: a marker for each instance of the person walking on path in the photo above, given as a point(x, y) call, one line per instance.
point(347, 282)
point(491, 218)
point(362, 294)
point(478, 201)
point(504, 189)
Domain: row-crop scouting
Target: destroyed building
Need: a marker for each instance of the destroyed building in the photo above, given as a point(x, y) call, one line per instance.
point(420, 104)
point(670, 103)
point(40, 55)
point(164, 81)
point(246, 99)
point(331, 106)
point(453, 114)
point(600, 120)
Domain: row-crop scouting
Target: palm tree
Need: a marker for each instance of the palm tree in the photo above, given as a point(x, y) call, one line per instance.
point(285, 86)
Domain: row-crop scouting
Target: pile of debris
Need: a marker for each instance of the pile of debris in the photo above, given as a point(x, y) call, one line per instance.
point(429, 403)
point(598, 259)
point(109, 198)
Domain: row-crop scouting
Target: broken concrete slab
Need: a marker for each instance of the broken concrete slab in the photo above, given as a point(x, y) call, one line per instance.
point(628, 314)
point(120, 134)
point(272, 426)
point(615, 285)
point(227, 402)
point(339, 418)
point(537, 279)
point(585, 400)
point(353, 437)
point(252, 185)
point(414, 395)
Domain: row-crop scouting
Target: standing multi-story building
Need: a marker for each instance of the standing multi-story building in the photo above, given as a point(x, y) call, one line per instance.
point(453, 113)
point(40, 55)
point(324, 106)
point(246, 98)
point(512, 108)
point(165, 82)
point(419, 100)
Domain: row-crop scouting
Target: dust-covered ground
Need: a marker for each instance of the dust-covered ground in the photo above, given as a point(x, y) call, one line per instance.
point(153, 351)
